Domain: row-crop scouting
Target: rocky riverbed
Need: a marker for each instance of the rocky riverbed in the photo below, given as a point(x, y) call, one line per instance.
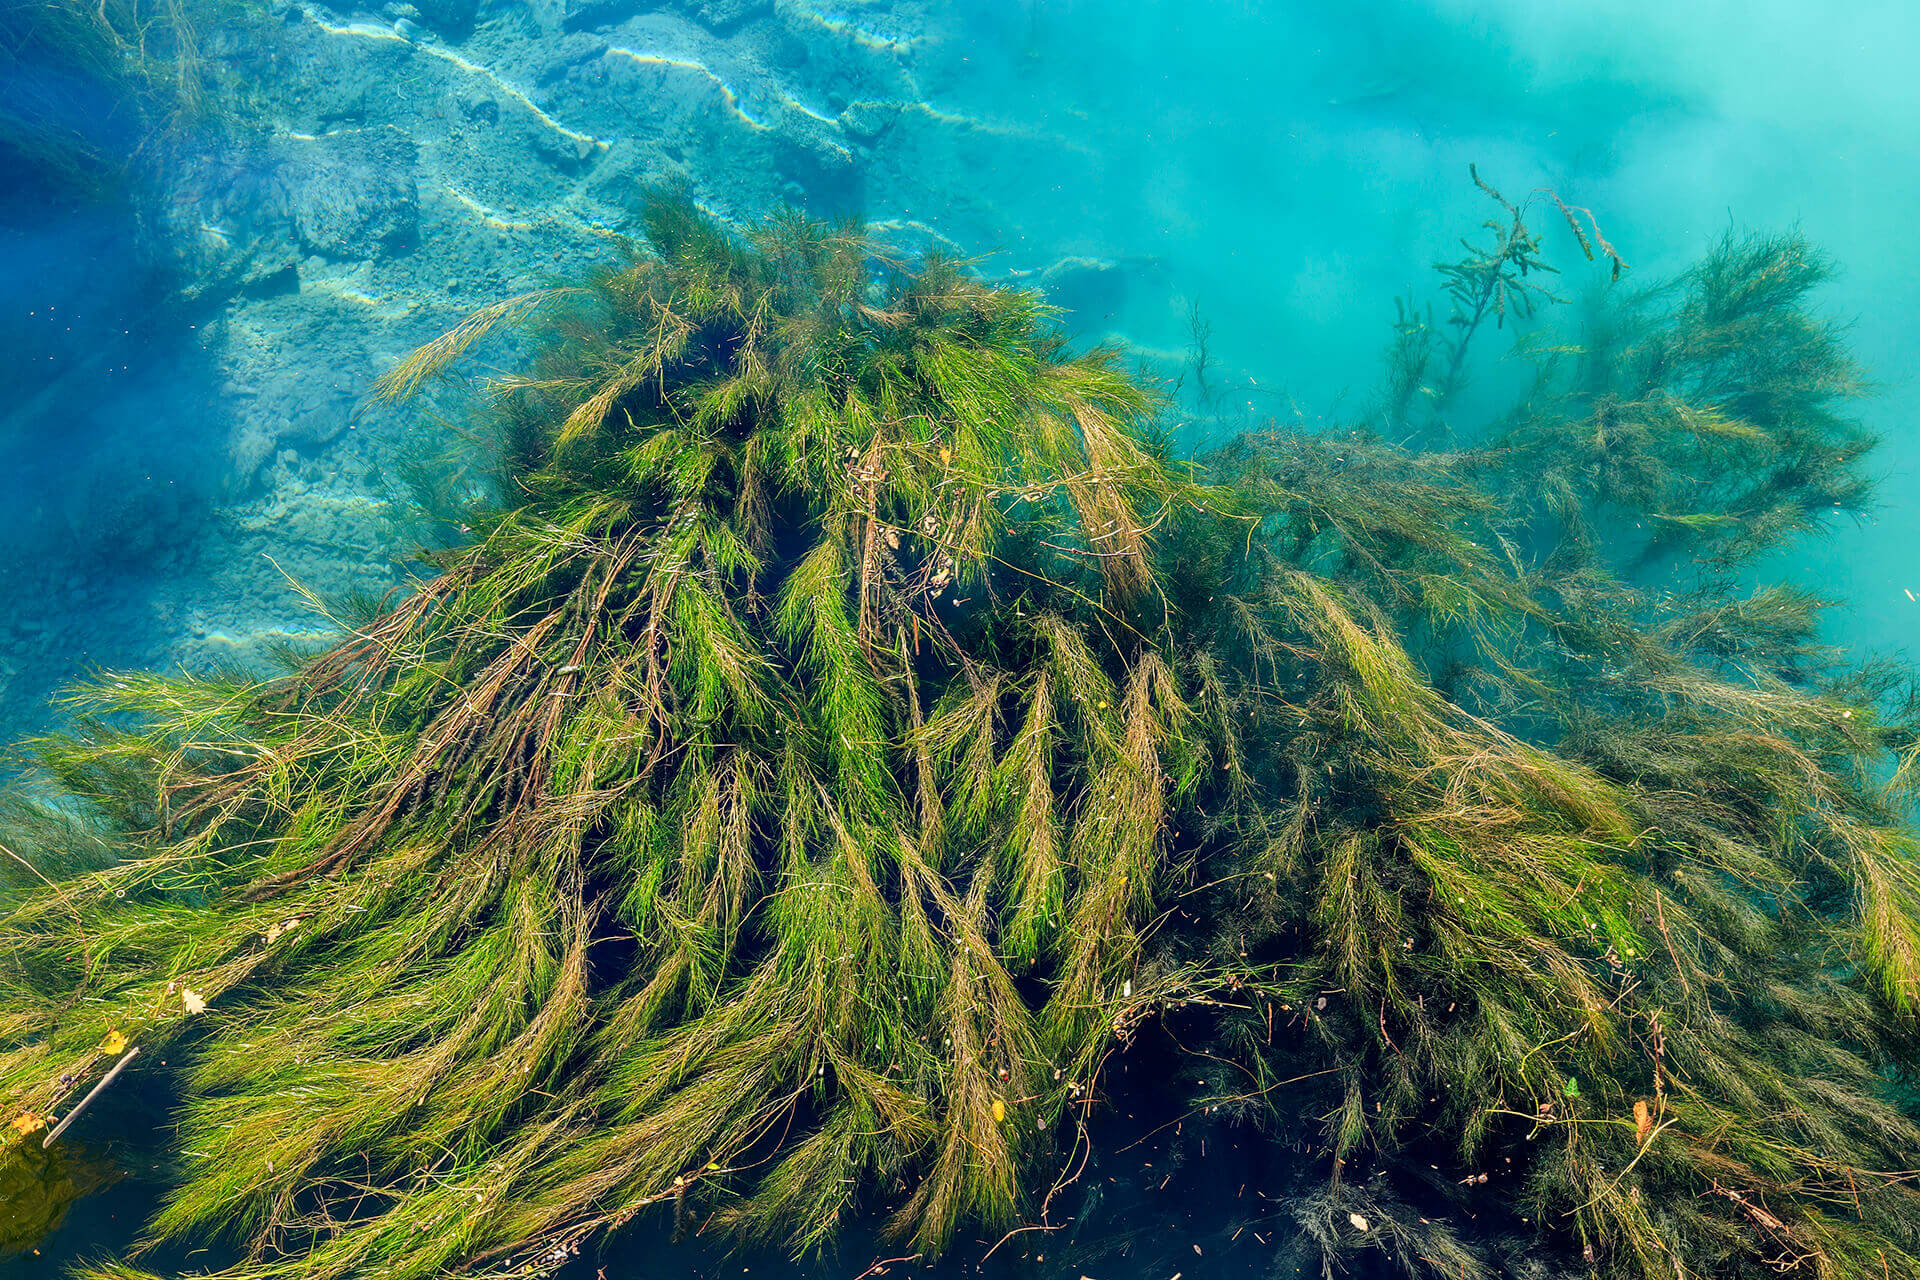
point(187, 488)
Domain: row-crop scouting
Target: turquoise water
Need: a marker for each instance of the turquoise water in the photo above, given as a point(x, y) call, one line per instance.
point(1286, 169)
point(185, 446)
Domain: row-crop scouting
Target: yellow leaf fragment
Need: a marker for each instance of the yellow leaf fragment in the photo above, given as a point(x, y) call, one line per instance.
point(193, 1000)
point(999, 1110)
point(114, 1043)
point(27, 1122)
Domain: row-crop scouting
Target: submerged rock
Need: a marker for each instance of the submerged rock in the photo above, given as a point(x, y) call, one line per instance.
point(716, 15)
point(1092, 290)
point(448, 17)
point(353, 194)
point(578, 15)
point(720, 14)
point(226, 228)
point(867, 119)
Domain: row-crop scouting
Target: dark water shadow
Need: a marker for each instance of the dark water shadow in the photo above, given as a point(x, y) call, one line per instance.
point(1168, 1192)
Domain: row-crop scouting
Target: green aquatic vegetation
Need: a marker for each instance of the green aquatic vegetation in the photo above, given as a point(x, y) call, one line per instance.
point(91, 84)
point(1427, 362)
point(693, 833)
point(1624, 924)
point(854, 733)
point(1701, 417)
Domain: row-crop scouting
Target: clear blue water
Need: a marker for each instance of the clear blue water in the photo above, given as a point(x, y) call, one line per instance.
point(183, 430)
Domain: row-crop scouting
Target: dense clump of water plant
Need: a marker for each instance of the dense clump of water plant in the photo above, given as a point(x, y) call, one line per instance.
point(1608, 907)
point(851, 732)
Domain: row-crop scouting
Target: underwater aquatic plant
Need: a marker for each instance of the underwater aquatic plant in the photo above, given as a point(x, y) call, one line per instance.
point(856, 732)
point(1487, 284)
point(696, 826)
point(1610, 909)
point(1697, 417)
point(88, 85)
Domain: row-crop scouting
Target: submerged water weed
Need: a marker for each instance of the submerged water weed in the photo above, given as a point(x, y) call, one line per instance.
point(1427, 362)
point(89, 85)
point(857, 731)
point(1612, 919)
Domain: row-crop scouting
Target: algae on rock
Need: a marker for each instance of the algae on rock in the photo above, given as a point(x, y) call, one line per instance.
point(852, 729)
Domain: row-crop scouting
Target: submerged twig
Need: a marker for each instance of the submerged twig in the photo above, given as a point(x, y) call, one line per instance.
point(92, 1093)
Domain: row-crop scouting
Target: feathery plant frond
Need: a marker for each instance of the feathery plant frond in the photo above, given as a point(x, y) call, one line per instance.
point(60, 57)
point(1492, 281)
point(851, 733)
point(660, 846)
point(1702, 418)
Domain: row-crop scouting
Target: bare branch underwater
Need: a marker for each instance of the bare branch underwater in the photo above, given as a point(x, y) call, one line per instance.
point(854, 737)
